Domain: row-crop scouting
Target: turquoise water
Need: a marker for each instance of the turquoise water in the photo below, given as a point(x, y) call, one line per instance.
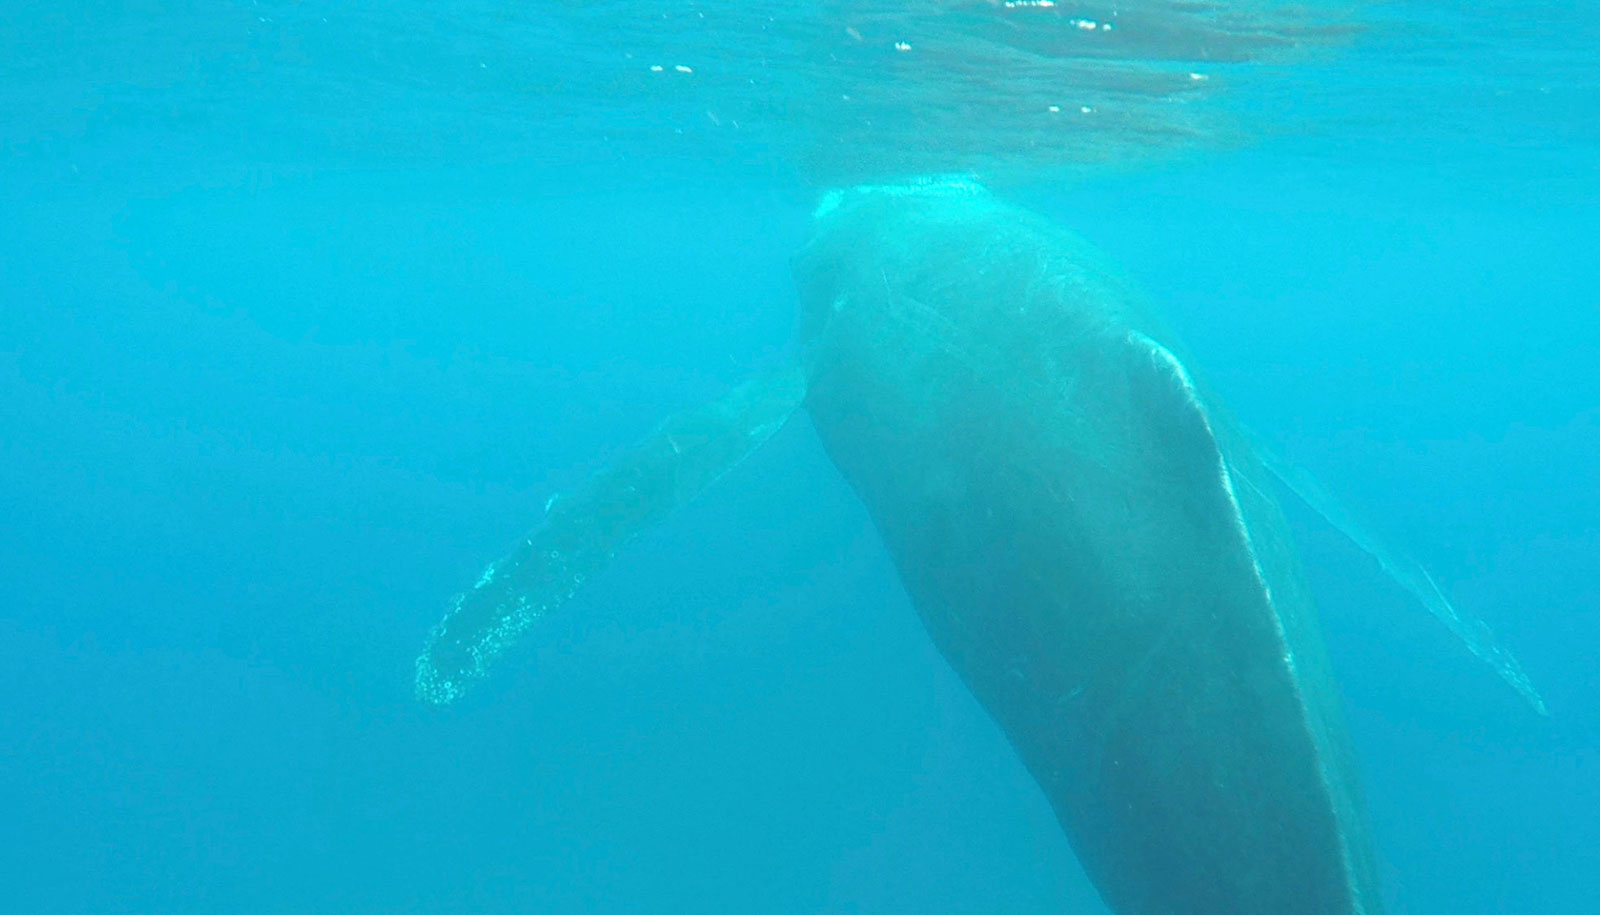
point(305, 312)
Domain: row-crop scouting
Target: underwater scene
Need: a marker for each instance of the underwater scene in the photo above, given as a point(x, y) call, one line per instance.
point(947, 456)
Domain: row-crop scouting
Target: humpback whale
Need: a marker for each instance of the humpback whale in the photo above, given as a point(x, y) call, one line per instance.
point(1088, 537)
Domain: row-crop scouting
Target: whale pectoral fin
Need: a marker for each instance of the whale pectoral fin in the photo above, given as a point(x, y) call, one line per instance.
point(582, 530)
point(1406, 571)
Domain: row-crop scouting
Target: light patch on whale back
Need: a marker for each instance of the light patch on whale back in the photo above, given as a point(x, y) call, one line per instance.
point(1225, 476)
point(954, 185)
point(1164, 358)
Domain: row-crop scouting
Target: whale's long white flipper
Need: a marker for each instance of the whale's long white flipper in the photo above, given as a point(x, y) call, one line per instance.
point(1406, 571)
point(582, 530)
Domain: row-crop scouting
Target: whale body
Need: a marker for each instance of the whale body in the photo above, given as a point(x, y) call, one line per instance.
point(1089, 549)
point(1086, 535)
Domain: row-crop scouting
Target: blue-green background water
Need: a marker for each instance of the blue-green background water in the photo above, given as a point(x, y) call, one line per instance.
point(282, 366)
